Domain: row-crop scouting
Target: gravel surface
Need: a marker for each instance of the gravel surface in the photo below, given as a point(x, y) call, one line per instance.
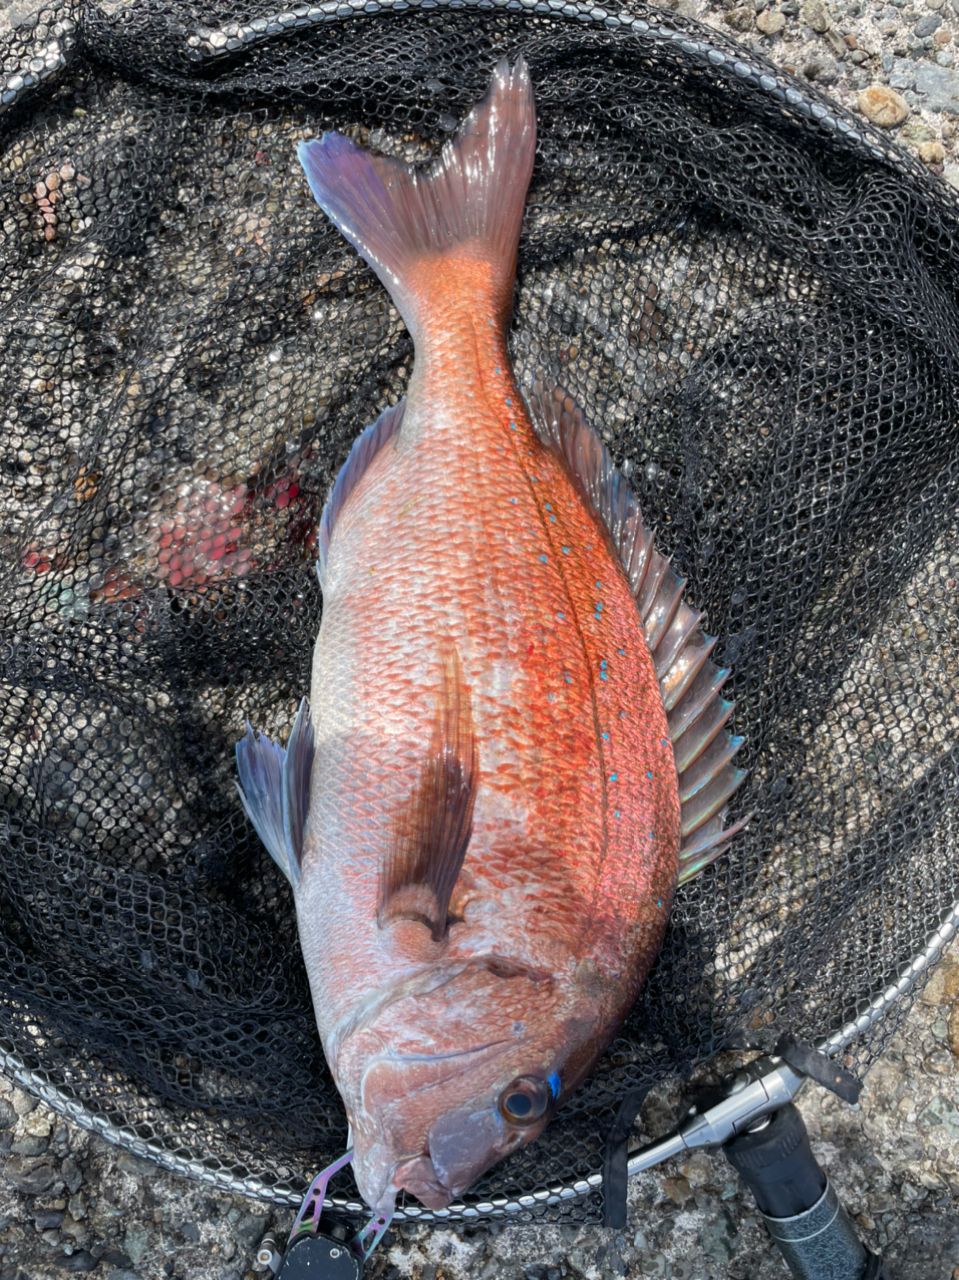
point(895, 63)
point(70, 1203)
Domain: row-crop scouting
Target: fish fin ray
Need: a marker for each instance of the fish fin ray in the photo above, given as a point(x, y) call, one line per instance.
point(689, 681)
point(561, 425)
point(690, 746)
point(297, 769)
point(709, 799)
point(366, 447)
point(708, 845)
point(274, 787)
point(473, 194)
point(426, 855)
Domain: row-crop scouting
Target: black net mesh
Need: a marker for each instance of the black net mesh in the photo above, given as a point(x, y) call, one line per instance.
point(754, 302)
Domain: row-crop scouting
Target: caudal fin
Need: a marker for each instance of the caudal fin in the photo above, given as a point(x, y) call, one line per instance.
point(468, 205)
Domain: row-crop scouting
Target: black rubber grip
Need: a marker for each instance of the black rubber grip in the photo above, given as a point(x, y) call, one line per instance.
point(777, 1164)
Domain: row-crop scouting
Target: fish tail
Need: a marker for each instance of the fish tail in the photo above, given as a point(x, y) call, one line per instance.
point(454, 226)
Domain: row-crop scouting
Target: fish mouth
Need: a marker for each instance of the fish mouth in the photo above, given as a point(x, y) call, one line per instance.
point(417, 1176)
point(461, 1145)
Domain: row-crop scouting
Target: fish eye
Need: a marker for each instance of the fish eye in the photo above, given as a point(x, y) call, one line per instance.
point(525, 1100)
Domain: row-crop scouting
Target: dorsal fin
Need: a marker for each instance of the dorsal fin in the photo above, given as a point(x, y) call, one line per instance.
point(432, 835)
point(274, 787)
point(689, 680)
point(365, 448)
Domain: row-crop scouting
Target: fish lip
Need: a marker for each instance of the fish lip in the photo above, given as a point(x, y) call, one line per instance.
point(436, 1190)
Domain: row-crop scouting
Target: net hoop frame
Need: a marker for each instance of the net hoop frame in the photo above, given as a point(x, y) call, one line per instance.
point(206, 44)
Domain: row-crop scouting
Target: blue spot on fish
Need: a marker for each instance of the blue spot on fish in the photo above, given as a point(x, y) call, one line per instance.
point(509, 400)
point(513, 500)
point(621, 652)
point(613, 777)
point(512, 426)
point(552, 519)
point(606, 736)
point(649, 773)
point(548, 506)
point(553, 1081)
point(664, 742)
point(598, 583)
point(561, 616)
point(566, 551)
point(567, 677)
point(616, 813)
point(543, 559)
point(659, 902)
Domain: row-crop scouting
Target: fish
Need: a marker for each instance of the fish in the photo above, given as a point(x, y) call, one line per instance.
point(515, 743)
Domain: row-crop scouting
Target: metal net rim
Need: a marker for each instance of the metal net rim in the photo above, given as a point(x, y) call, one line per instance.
point(206, 45)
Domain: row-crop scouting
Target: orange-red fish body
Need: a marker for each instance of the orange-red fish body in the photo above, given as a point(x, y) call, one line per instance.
point(481, 814)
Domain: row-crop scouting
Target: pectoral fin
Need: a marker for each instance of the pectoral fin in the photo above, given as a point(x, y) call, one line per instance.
point(274, 787)
point(433, 832)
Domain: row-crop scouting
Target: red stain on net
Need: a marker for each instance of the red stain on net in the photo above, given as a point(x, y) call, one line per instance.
point(208, 536)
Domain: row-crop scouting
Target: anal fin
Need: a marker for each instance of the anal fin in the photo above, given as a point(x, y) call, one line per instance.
point(274, 788)
point(365, 448)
